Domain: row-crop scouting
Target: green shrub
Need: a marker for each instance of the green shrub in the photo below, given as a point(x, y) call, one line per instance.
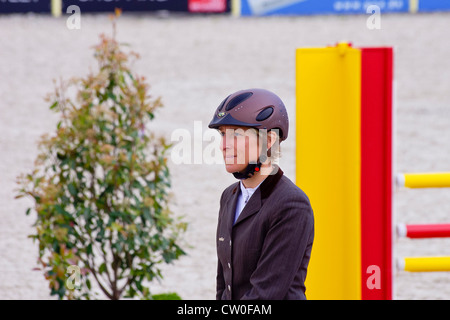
point(166, 296)
point(101, 185)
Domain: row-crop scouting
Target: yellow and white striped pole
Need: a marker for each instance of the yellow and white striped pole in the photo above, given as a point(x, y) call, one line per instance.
point(424, 180)
point(236, 8)
point(56, 7)
point(413, 6)
point(424, 264)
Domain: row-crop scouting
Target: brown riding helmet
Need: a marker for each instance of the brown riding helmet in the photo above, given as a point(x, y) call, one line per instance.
point(255, 108)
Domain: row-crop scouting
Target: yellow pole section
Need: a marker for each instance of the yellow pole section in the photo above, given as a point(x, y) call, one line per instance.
point(413, 6)
point(426, 180)
point(56, 6)
point(427, 264)
point(236, 8)
point(328, 156)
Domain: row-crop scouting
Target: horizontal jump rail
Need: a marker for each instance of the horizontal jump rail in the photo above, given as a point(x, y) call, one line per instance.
point(424, 264)
point(424, 180)
point(422, 231)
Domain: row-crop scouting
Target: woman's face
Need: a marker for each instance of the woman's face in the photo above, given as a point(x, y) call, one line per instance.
point(239, 147)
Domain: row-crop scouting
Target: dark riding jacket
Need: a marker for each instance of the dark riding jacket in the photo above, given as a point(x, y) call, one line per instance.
point(265, 253)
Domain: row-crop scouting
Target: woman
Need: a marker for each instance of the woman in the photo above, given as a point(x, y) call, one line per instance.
point(266, 227)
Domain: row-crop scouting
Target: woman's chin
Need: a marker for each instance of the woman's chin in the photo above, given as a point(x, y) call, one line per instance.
point(231, 168)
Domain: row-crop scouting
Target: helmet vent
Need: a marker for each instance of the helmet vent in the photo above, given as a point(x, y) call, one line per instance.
point(264, 114)
point(222, 103)
point(237, 100)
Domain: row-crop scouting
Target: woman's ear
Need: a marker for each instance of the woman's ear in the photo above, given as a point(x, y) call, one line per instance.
point(271, 139)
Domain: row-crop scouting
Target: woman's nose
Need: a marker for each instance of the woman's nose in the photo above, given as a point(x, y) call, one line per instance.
point(227, 142)
point(224, 143)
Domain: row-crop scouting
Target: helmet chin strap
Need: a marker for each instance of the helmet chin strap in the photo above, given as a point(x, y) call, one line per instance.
point(250, 170)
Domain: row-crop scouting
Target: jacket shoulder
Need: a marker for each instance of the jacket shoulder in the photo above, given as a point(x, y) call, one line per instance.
point(293, 204)
point(288, 191)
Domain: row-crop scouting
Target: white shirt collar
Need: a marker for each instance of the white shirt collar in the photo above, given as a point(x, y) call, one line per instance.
point(248, 192)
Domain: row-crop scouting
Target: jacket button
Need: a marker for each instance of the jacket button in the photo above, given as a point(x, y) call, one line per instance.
point(229, 288)
point(229, 265)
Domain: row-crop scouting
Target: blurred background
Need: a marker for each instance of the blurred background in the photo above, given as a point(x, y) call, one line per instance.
point(194, 53)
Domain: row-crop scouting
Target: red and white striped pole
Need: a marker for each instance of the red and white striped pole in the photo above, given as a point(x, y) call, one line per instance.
point(421, 231)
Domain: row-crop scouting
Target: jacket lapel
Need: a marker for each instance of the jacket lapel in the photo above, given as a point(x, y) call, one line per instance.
point(252, 206)
point(231, 207)
point(255, 202)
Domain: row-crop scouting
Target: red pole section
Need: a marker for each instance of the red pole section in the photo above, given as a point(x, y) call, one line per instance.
point(376, 173)
point(420, 231)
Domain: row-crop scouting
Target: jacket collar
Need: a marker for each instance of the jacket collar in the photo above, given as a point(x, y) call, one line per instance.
point(268, 184)
point(255, 202)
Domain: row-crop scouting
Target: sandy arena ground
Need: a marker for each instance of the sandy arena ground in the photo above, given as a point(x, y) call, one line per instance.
point(193, 63)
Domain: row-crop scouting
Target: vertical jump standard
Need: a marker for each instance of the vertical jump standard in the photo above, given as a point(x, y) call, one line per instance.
point(344, 164)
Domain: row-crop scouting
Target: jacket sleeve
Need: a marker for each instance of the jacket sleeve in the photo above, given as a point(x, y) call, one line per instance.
point(290, 233)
